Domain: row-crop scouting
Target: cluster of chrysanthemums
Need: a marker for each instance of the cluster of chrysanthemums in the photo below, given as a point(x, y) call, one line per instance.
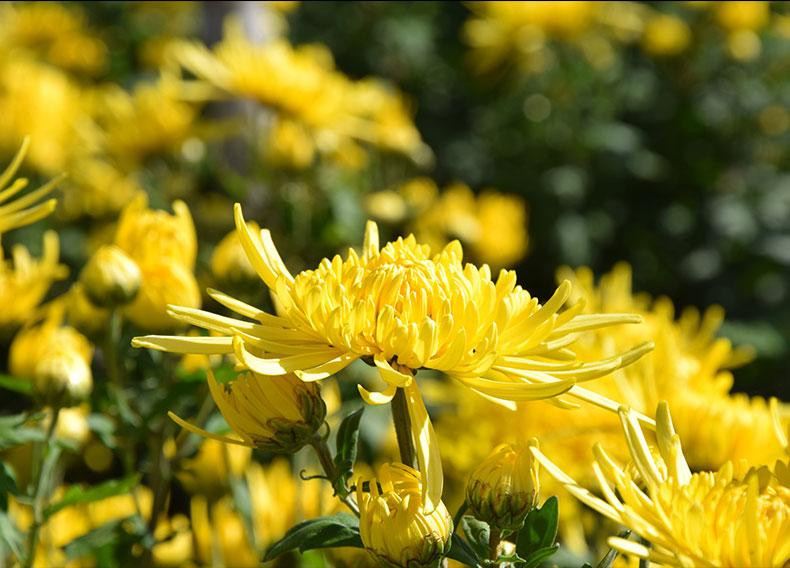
point(482, 383)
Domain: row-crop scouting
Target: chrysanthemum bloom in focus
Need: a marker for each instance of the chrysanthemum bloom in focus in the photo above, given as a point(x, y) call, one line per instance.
point(395, 527)
point(504, 488)
point(29, 208)
point(711, 518)
point(402, 309)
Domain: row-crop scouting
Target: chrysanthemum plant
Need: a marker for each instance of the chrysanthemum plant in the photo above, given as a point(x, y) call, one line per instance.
point(400, 309)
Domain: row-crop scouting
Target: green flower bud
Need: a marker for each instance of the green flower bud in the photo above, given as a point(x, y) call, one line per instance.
point(504, 487)
point(62, 378)
point(111, 278)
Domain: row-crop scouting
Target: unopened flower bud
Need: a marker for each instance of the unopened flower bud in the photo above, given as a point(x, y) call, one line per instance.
point(277, 414)
point(504, 488)
point(62, 378)
point(111, 278)
point(395, 527)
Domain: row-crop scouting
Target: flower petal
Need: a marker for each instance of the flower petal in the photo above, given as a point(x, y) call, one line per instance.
point(427, 447)
point(376, 398)
point(389, 374)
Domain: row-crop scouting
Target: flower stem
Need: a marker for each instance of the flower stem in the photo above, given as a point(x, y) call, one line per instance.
point(328, 465)
point(49, 458)
point(494, 538)
point(400, 416)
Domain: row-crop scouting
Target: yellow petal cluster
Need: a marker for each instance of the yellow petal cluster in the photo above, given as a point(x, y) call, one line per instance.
point(164, 246)
point(395, 527)
point(24, 281)
point(710, 518)
point(689, 368)
point(56, 357)
point(402, 309)
point(54, 32)
point(301, 84)
point(208, 473)
point(26, 209)
point(278, 414)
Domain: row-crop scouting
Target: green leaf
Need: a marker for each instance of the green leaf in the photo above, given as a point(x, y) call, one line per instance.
point(14, 432)
point(540, 555)
point(341, 529)
point(87, 544)
point(104, 428)
point(23, 386)
point(478, 534)
point(76, 494)
point(347, 442)
point(608, 560)
point(539, 530)
point(7, 485)
point(11, 538)
point(462, 552)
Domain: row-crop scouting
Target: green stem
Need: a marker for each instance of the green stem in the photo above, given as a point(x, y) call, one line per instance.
point(328, 465)
point(494, 538)
point(400, 416)
point(161, 470)
point(49, 458)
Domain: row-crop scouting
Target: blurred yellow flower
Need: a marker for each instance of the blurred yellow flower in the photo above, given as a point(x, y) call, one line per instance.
point(150, 120)
point(164, 246)
point(82, 314)
point(492, 225)
point(395, 527)
point(743, 15)
point(230, 265)
point(208, 473)
point(666, 35)
point(55, 32)
point(403, 309)
point(711, 518)
point(289, 144)
point(149, 236)
point(303, 87)
point(24, 281)
point(164, 283)
point(44, 103)
point(688, 368)
point(97, 189)
point(56, 357)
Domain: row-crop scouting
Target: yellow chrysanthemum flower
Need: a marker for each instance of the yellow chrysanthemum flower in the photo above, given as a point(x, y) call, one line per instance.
point(403, 309)
point(711, 518)
point(689, 369)
point(152, 119)
point(395, 527)
point(54, 32)
point(29, 208)
point(164, 246)
point(302, 84)
point(24, 281)
point(44, 103)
